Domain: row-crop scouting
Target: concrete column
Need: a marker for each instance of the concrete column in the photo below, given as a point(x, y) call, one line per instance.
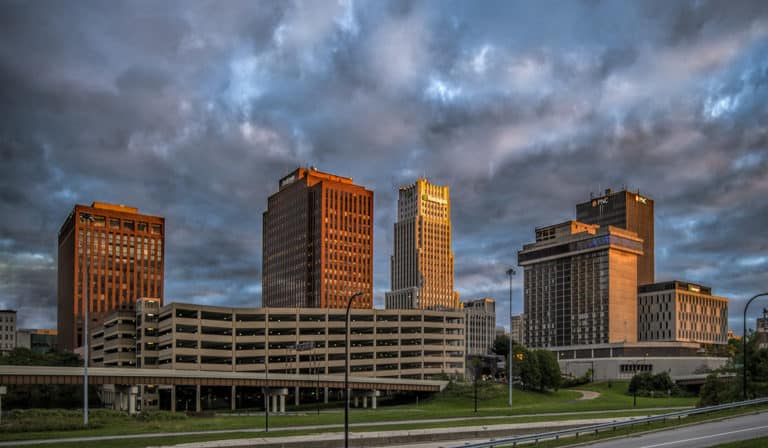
point(325, 395)
point(373, 401)
point(365, 402)
point(282, 404)
point(173, 398)
point(198, 400)
point(274, 404)
point(296, 392)
point(357, 401)
point(233, 399)
point(133, 391)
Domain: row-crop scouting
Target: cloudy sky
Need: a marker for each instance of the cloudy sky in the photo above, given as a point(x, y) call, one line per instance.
point(192, 110)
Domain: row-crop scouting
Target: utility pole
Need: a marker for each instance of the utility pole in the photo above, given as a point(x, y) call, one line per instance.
point(86, 302)
point(510, 273)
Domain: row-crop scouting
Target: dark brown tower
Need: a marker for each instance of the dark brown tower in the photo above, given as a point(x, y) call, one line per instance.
point(125, 260)
point(317, 242)
point(628, 211)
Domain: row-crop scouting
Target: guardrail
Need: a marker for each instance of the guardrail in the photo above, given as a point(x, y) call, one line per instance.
point(513, 441)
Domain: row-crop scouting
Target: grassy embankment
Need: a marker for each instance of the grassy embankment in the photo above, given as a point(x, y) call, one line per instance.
point(456, 402)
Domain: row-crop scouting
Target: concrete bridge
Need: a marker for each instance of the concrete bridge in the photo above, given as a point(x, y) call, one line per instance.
point(275, 385)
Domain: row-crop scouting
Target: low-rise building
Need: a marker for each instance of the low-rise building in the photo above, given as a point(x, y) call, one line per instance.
point(480, 326)
point(678, 311)
point(39, 340)
point(7, 330)
point(416, 344)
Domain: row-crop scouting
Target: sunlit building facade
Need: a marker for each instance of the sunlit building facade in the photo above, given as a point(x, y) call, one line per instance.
point(627, 210)
point(681, 311)
point(580, 285)
point(317, 242)
point(422, 264)
point(120, 251)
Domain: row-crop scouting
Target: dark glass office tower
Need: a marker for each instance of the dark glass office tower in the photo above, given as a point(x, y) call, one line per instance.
point(629, 211)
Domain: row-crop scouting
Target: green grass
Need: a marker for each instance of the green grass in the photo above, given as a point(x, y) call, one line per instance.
point(456, 402)
point(156, 441)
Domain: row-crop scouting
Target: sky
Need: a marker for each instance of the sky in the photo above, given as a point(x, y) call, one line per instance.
point(193, 110)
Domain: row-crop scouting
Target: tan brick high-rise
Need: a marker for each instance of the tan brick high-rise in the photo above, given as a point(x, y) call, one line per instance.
point(422, 264)
point(627, 210)
point(124, 257)
point(317, 242)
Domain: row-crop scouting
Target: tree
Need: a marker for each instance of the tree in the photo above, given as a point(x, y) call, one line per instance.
point(549, 368)
point(716, 391)
point(528, 368)
point(501, 345)
point(43, 396)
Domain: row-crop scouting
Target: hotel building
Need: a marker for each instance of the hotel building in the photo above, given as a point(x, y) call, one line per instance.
point(422, 264)
point(317, 242)
point(120, 251)
point(480, 317)
point(626, 210)
point(683, 312)
point(580, 285)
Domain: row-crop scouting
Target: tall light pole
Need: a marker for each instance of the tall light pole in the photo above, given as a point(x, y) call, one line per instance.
point(346, 369)
point(510, 274)
point(744, 345)
point(86, 299)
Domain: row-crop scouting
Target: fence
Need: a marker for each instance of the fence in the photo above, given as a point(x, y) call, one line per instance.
point(513, 441)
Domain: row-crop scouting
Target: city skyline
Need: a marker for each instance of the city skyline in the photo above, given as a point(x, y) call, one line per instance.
point(522, 109)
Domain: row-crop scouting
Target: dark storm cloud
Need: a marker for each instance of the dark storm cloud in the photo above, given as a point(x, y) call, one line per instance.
point(194, 110)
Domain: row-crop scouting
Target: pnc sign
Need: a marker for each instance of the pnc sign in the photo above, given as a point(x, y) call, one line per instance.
point(600, 201)
point(641, 199)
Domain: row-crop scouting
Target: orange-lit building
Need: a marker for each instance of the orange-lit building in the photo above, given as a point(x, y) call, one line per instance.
point(124, 260)
point(317, 242)
point(422, 263)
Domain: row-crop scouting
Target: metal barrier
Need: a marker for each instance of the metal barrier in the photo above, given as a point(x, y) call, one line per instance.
point(513, 441)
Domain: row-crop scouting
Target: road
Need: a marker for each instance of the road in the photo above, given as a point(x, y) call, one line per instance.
point(480, 420)
point(696, 436)
point(701, 435)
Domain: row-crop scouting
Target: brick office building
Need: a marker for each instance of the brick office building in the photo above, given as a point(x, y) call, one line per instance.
point(119, 250)
point(317, 242)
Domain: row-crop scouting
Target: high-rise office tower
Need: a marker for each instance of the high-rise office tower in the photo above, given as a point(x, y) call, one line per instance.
point(118, 252)
point(580, 285)
point(626, 210)
point(422, 264)
point(317, 242)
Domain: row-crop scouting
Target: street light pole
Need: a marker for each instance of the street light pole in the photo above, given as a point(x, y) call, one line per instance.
point(744, 345)
point(346, 369)
point(510, 273)
point(86, 299)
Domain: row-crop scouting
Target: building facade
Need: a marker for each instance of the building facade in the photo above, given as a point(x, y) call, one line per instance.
point(517, 332)
point(7, 330)
point(680, 311)
point(761, 327)
point(317, 242)
point(480, 316)
point(580, 285)
point(422, 263)
point(119, 250)
point(626, 210)
point(39, 340)
point(416, 344)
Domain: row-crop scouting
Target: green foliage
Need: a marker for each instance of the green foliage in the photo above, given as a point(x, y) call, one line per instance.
point(550, 370)
point(501, 345)
point(26, 357)
point(577, 381)
point(717, 390)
